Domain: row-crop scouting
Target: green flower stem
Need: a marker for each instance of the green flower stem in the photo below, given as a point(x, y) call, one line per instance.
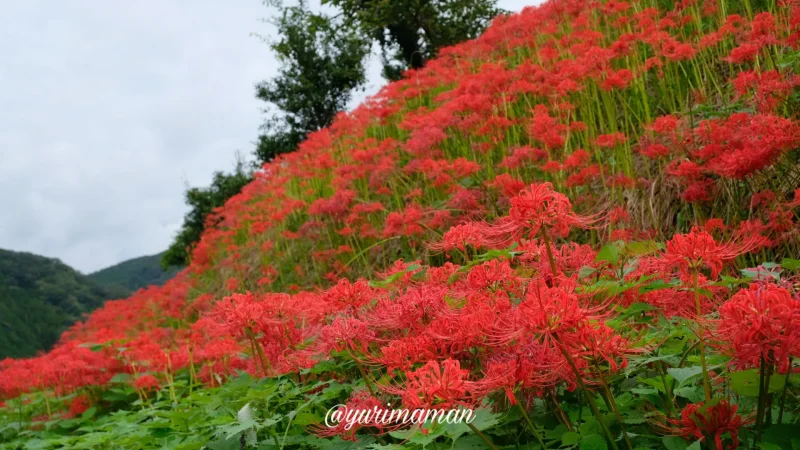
point(529, 421)
point(589, 397)
point(701, 336)
point(613, 404)
point(483, 437)
point(785, 389)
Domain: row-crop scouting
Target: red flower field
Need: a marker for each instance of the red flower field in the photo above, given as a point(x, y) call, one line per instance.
point(583, 224)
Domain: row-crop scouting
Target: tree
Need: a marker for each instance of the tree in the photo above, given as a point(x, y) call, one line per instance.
point(321, 65)
point(411, 32)
point(202, 201)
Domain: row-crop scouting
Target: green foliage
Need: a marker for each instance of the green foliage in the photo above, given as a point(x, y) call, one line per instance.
point(202, 202)
point(285, 412)
point(411, 32)
point(321, 63)
point(39, 298)
point(129, 276)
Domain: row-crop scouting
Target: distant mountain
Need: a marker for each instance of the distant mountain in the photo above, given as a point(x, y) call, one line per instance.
point(129, 276)
point(40, 298)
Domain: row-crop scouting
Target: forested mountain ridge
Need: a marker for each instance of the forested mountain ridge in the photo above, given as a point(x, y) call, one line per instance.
point(41, 297)
point(129, 276)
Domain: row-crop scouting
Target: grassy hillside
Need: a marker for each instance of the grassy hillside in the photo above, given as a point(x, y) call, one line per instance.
point(134, 274)
point(583, 225)
point(39, 299)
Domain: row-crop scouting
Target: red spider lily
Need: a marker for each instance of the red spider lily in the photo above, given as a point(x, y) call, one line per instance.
point(405, 352)
point(520, 156)
point(711, 422)
point(546, 128)
point(411, 311)
point(494, 275)
point(569, 257)
point(682, 303)
point(549, 313)
point(461, 236)
point(78, 406)
point(610, 140)
point(347, 297)
point(404, 223)
point(437, 384)
point(743, 144)
point(240, 314)
point(761, 323)
point(771, 88)
point(346, 333)
point(697, 249)
point(274, 326)
point(744, 53)
point(537, 208)
point(460, 330)
point(600, 344)
point(146, 383)
point(531, 365)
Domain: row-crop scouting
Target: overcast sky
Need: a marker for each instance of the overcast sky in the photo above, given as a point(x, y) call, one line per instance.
point(108, 109)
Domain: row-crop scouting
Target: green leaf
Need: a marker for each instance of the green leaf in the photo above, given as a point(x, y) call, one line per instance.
point(556, 432)
point(231, 443)
point(655, 382)
point(634, 418)
point(681, 374)
point(638, 308)
point(593, 442)
point(745, 382)
point(790, 264)
point(642, 248)
point(233, 430)
point(121, 378)
point(644, 391)
point(591, 426)
point(654, 286)
point(36, 444)
point(307, 419)
point(416, 436)
point(89, 413)
point(768, 446)
point(693, 393)
point(784, 435)
point(485, 419)
point(675, 443)
point(586, 271)
point(570, 438)
point(610, 253)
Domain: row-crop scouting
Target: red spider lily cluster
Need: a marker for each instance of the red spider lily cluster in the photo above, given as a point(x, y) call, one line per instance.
point(563, 128)
point(699, 421)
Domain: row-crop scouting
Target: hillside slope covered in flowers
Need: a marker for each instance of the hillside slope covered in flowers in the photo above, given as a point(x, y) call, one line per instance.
point(583, 225)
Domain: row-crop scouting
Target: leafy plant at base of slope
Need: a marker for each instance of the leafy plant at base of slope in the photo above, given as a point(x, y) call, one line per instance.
point(653, 386)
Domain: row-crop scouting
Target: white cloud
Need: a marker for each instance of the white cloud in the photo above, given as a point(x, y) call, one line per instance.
point(111, 108)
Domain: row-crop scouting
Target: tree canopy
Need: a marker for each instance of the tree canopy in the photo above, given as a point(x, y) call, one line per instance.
point(321, 64)
point(411, 32)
